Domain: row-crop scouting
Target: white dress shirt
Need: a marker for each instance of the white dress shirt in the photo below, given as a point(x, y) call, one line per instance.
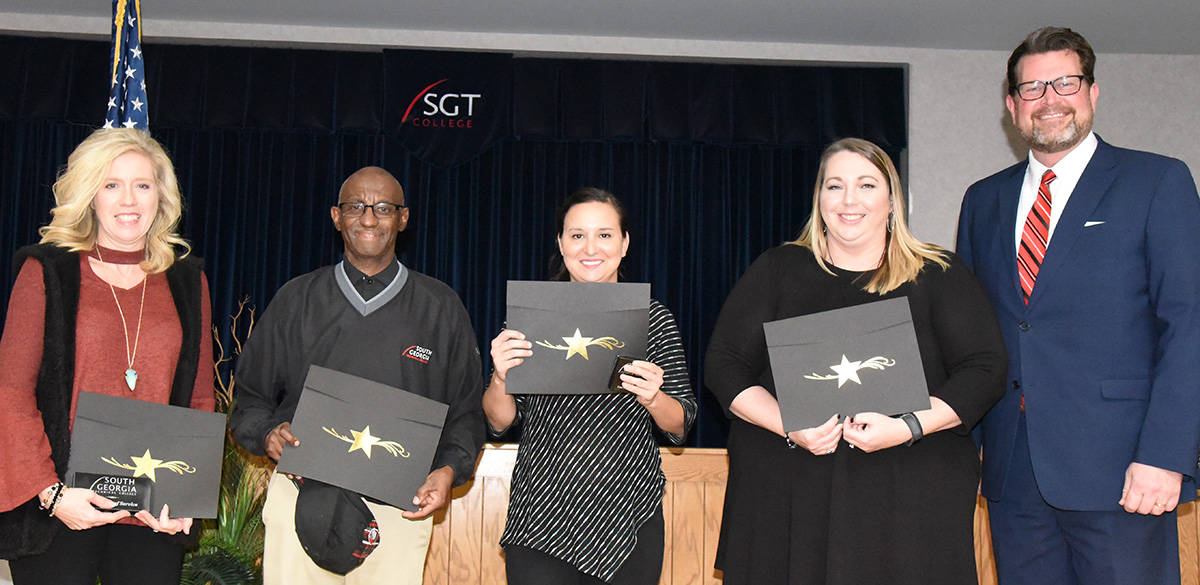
point(1066, 176)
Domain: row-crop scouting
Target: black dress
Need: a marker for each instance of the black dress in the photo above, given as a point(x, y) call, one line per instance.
point(899, 516)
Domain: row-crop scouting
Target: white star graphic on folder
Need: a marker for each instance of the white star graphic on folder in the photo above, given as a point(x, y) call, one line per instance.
point(847, 370)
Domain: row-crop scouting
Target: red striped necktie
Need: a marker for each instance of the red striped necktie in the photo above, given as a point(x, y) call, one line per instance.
point(1035, 237)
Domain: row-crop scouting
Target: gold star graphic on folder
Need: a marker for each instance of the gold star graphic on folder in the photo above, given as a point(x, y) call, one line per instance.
point(578, 344)
point(146, 465)
point(364, 441)
point(847, 371)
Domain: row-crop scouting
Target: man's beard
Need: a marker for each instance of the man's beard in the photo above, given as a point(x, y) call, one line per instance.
point(1065, 139)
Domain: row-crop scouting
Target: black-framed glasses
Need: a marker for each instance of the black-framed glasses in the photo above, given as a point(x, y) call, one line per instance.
point(1064, 86)
point(381, 210)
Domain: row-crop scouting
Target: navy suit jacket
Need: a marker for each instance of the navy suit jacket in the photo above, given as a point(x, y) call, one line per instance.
point(1107, 353)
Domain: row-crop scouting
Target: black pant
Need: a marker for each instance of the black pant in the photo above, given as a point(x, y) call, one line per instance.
point(116, 553)
point(525, 566)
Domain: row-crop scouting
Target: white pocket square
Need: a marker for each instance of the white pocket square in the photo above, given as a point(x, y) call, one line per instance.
point(1091, 223)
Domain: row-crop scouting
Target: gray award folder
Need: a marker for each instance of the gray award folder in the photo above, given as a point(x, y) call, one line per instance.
point(178, 449)
point(577, 330)
point(364, 436)
point(846, 361)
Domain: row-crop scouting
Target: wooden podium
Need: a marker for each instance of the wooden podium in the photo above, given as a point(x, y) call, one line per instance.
point(465, 549)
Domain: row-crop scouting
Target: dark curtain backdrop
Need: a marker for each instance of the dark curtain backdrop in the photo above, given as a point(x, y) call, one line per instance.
point(715, 164)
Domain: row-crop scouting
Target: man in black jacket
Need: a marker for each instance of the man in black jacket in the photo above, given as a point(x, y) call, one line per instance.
point(371, 317)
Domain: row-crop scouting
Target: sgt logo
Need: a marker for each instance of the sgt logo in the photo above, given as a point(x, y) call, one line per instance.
point(442, 109)
point(416, 352)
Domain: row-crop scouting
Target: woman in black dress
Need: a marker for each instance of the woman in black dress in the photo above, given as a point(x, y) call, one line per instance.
point(871, 498)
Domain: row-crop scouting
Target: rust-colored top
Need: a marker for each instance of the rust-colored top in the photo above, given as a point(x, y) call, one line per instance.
point(100, 362)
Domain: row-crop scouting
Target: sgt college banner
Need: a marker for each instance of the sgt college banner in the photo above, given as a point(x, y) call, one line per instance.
point(448, 107)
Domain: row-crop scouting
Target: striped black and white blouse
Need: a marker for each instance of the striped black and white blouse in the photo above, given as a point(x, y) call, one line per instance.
point(588, 473)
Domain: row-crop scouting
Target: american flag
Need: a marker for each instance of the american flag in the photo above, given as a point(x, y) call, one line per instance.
point(127, 103)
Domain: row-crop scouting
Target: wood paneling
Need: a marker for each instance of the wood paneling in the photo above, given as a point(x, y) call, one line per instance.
point(687, 540)
point(985, 563)
point(1189, 543)
point(466, 534)
point(437, 560)
point(465, 546)
point(668, 534)
point(495, 506)
point(714, 500)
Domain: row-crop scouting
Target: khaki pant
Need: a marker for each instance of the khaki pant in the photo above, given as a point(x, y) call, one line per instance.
point(399, 559)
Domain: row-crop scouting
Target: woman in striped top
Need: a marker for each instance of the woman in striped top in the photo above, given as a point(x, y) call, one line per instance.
point(586, 499)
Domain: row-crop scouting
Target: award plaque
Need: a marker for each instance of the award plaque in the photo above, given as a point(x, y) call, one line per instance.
point(614, 379)
point(128, 493)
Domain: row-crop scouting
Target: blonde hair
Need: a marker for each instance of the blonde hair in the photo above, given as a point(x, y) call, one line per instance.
point(904, 255)
point(74, 223)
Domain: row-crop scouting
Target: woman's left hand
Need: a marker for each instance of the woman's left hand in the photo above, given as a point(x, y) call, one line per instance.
point(164, 523)
point(644, 380)
point(871, 431)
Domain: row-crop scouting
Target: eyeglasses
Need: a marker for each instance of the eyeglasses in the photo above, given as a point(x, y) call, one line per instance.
point(381, 210)
point(1064, 86)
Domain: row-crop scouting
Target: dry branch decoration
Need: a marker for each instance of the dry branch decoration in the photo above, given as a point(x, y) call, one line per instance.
point(224, 380)
point(231, 547)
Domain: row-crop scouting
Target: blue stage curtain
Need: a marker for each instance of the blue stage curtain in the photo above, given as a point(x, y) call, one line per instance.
point(715, 163)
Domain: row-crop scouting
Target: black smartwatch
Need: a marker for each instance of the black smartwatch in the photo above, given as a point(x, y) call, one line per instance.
point(914, 426)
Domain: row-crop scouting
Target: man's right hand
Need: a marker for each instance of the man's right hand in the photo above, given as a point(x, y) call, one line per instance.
point(278, 438)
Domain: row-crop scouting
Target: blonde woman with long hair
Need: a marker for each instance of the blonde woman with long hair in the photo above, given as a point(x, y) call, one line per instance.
point(864, 498)
point(109, 302)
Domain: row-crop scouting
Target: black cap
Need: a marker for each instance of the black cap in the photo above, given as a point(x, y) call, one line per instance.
point(334, 526)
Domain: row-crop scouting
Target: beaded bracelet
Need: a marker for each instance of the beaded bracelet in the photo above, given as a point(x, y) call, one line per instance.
point(58, 492)
point(46, 504)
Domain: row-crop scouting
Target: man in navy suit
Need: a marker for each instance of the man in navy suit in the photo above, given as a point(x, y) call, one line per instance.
point(1091, 257)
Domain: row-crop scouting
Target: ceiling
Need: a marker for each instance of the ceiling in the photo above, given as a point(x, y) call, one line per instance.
point(1112, 26)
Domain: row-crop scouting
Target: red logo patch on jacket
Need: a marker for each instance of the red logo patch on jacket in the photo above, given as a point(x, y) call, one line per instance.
point(418, 353)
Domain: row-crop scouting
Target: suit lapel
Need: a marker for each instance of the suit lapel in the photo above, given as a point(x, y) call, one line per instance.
point(1092, 186)
point(1005, 243)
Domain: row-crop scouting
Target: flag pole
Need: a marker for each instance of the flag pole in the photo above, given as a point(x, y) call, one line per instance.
point(128, 106)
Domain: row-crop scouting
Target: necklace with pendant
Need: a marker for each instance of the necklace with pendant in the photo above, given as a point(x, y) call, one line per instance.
point(130, 352)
